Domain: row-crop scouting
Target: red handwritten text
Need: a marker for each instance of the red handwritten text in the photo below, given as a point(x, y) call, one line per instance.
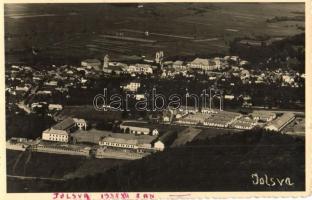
point(71, 196)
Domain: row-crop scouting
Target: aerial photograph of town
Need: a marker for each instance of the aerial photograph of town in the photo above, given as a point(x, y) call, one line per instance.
point(112, 97)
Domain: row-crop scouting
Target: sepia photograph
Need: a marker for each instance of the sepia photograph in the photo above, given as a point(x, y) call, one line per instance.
point(147, 97)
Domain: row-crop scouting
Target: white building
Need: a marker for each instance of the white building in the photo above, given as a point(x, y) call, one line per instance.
point(139, 96)
point(51, 83)
point(24, 88)
point(44, 92)
point(60, 131)
point(229, 97)
point(155, 132)
point(203, 64)
point(263, 115)
point(132, 86)
point(55, 107)
point(165, 140)
point(118, 142)
point(140, 69)
point(178, 65)
point(55, 135)
point(80, 123)
point(288, 79)
point(159, 145)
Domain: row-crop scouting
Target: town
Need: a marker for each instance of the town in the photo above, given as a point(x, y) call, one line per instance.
point(234, 104)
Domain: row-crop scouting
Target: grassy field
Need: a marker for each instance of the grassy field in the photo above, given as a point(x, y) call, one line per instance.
point(88, 112)
point(54, 165)
point(181, 29)
point(208, 133)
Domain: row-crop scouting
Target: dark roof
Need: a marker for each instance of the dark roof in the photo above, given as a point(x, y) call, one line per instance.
point(65, 124)
point(168, 137)
point(281, 121)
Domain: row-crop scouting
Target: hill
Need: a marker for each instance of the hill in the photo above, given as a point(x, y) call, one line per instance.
point(223, 163)
point(285, 53)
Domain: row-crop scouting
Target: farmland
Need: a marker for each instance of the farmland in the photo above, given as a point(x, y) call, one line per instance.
point(181, 30)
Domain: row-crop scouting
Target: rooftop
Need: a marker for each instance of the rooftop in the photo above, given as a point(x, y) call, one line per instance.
point(65, 124)
point(94, 135)
point(261, 113)
point(119, 140)
point(279, 122)
point(200, 61)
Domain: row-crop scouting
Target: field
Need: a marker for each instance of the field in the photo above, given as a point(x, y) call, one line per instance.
point(208, 133)
point(89, 113)
point(180, 29)
point(187, 135)
point(53, 166)
point(297, 127)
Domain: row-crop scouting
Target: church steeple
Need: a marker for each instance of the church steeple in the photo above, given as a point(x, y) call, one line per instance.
point(105, 62)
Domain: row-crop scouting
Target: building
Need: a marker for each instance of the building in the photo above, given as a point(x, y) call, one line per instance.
point(265, 116)
point(218, 62)
point(188, 109)
point(118, 142)
point(139, 128)
point(139, 96)
point(244, 123)
point(288, 79)
point(165, 140)
point(159, 57)
point(279, 123)
point(229, 97)
point(127, 141)
point(24, 88)
point(178, 65)
point(55, 107)
point(155, 132)
point(222, 119)
point(140, 69)
point(193, 119)
point(94, 136)
point(135, 129)
point(55, 135)
point(80, 123)
point(20, 144)
point(67, 149)
point(60, 132)
point(105, 62)
point(132, 86)
point(51, 83)
point(44, 92)
point(203, 64)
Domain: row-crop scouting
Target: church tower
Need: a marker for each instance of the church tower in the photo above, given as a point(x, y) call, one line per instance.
point(105, 62)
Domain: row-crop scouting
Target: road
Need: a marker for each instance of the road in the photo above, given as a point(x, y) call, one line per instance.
point(160, 34)
point(33, 178)
point(277, 110)
point(24, 107)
